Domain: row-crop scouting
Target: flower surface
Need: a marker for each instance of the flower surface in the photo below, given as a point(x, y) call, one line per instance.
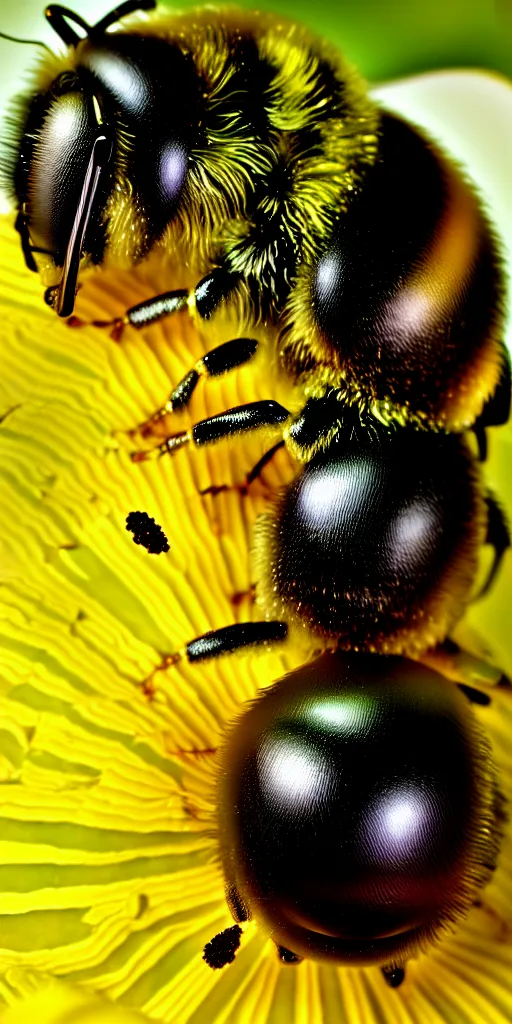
point(109, 872)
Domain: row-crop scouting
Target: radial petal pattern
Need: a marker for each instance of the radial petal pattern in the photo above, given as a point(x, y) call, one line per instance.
point(109, 876)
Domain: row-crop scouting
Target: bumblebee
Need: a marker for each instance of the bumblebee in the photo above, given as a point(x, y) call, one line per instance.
point(253, 153)
point(358, 812)
point(274, 174)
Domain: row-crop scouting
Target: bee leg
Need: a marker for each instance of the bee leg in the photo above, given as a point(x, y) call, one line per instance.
point(251, 476)
point(221, 950)
point(475, 696)
point(393, 976)
point(139, 316)
point(286, 956)
point(218, 361)
point(203, 300)
point(498, 536)
point(233, 638)
point(236, 905)
point(252, 416)
point(476, 677)
point(225, 640)
point(122, 11)
point(261, 463)
point(481, 439)
point(496, 410)
point(59, 16)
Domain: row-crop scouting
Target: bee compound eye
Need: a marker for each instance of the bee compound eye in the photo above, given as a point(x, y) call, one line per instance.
point(149, 85)
point(356, 808)
point(57, 171)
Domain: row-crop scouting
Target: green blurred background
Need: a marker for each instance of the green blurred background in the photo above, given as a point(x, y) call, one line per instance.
point(386, 39)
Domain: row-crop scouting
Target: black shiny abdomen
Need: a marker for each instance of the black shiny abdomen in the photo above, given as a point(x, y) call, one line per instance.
point(409, 289)
point(349, 804)
point(369, 531)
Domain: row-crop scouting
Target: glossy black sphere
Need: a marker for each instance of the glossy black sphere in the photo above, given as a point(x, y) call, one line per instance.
point(354, 808)
point(375, 543)
point(408, 291)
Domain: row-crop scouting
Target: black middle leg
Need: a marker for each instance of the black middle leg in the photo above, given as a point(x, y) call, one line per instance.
point(498, 536)
point(475, 676)
point(215, 363)
point(239, 420)
point(219, 642)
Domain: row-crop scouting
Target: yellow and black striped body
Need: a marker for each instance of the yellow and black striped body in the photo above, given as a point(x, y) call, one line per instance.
point(249, 151)
point(264, 132)
point(404, 308)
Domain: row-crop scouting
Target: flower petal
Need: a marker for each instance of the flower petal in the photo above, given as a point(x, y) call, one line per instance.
point(55, 1003)
point(108, 869)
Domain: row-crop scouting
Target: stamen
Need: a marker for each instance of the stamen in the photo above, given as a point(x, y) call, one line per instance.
point(147, 533)
point(221, 950)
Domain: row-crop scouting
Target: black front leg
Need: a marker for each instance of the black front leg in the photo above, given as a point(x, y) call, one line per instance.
point(211, 291)
point(204, 300)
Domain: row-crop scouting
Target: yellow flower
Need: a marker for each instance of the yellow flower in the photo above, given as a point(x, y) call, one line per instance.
point(109, 875)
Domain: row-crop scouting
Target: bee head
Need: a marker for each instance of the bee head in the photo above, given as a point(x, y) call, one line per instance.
point(102, 154)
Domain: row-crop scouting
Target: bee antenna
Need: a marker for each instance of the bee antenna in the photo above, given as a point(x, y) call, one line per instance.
point(31, 42)
point(58, 17)
point(128, 7)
